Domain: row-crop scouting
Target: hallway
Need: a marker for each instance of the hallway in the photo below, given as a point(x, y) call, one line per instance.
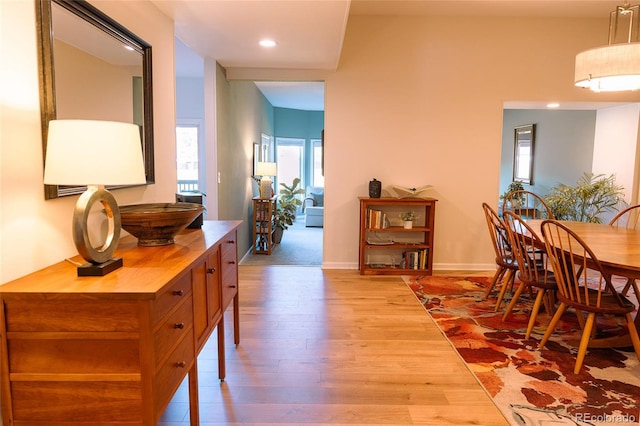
point(300, 246)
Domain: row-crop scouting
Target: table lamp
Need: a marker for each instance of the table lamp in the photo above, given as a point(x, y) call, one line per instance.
point(266, 170)
point(94, 153)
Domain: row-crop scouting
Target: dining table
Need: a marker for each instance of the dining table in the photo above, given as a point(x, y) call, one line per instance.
point(617, 249)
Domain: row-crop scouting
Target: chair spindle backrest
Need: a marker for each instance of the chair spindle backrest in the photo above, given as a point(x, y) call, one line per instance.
point(528, 249)
point(575, 266)
point(499, 235)
point(628, 218)
point(527, 204)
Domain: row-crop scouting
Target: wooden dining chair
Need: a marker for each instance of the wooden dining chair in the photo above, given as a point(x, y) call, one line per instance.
point(533, 269)
point(527, 204)
point(584, 285)
point(628, 218)
point(505, 261)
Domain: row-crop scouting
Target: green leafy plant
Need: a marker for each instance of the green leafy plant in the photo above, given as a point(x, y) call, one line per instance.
point(587, 200)
point(409, 216)
point(288, 193)
point(285, 215)
point(516, 185)
point(288, 203)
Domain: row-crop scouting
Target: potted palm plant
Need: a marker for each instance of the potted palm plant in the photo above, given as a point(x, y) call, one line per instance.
point(592, 196)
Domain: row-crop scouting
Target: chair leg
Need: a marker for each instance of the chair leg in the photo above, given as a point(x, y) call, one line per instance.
point(507, 282)
point(633, 333)
point(496, 277)
point(584, 341)
point(549, 301)
point(627, 286)
point(534, 311)
point(514, 300)
point(636, 290)
point(552, 325)
point(580, 317)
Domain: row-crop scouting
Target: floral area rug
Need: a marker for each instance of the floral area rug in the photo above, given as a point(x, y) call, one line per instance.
point(529, 385)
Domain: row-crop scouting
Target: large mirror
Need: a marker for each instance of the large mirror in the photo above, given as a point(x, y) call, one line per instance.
point(92, 68)
point(524, 139)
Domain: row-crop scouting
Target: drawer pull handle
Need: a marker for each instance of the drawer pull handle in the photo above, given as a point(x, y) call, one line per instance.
point(178, 292)
point(179, 325)
point(181, 364)
point(232, 262)
point(211, 270)
point(232, 286)
point(231, 242)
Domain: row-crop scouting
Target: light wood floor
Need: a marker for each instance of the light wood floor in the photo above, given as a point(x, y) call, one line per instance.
point(334, 347)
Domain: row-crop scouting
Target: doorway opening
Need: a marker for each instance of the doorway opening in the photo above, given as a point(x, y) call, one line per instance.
point(295, 145)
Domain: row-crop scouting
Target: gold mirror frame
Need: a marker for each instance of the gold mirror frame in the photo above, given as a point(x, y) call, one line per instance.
point(523, 150)
point(46, 60)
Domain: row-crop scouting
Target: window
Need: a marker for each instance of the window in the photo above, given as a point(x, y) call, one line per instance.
point(317, 176)
point(187, 157)
point(290, 160)
point(524, 139)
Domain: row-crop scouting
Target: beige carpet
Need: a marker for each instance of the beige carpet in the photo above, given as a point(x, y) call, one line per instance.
point(300, 246)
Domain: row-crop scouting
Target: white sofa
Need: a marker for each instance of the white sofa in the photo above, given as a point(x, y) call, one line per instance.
point(313, 206)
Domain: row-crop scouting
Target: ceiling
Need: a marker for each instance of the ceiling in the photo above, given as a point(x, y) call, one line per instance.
point(309, 33)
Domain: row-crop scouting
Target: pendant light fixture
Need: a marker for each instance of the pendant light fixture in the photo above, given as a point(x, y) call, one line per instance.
point(615, 67)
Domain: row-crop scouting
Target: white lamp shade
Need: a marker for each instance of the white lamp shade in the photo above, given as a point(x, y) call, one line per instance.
point(610, 68)
point(266, 169)
point(91, 152)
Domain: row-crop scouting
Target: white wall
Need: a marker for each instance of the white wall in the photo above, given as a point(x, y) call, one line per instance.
point(415, 100)
point(418, 100)
point(615, 149)
point(36, 233)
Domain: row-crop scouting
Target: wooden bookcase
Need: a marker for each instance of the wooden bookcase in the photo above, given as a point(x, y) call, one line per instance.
point(386, 247)
point(264, 211)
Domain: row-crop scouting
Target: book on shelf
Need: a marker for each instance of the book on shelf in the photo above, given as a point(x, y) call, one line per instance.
point(377, 219)
point(415, 259)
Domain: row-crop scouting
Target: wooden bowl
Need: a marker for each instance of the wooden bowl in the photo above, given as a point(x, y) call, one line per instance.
point(156, 224)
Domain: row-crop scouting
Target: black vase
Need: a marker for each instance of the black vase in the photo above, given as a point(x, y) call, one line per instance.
point(375, 187)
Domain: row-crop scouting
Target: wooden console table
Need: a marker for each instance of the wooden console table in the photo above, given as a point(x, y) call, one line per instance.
point(114, 349)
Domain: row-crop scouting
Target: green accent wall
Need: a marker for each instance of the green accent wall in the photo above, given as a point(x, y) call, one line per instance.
point(243, 114)
point(295, 123)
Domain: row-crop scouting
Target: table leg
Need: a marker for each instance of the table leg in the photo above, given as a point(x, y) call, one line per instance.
point(194, 412)
point(222, 368)
point(236, 319)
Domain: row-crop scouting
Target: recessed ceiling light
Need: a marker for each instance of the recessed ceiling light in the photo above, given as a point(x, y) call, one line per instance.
point(267, 43)
point(553, 105)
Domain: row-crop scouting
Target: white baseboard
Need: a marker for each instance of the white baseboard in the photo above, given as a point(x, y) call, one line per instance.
point(436, 267)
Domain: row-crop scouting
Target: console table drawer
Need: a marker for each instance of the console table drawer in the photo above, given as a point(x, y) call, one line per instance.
point(171, 296)
point(229, 276)
point(73, 355)
point(171, 330)
point(229, 244)
point(97, 402)
point(173, 371)
point(92, 315)
point(229, 285)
